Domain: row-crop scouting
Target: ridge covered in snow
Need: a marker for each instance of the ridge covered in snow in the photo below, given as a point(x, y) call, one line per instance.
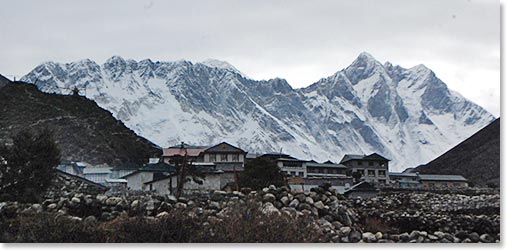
point(407, 115)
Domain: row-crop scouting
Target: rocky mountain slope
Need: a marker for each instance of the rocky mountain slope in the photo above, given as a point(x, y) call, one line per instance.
point(477, 158)
point(83, 130)
point(407, 115)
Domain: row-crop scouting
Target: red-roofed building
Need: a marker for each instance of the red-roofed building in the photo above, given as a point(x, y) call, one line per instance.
point(226, 157)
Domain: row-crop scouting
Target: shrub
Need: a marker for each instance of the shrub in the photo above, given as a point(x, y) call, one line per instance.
point(244, 223)
point(260, 173)
point(28, 166)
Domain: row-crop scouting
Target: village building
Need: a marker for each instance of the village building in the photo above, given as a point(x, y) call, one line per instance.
point(227, 158)
point(97, 174)
point(168, 185)
point(373, 168)
point(150, 172)
point(364, 190)
point(73, 168)
point(289, 165)
point(116, 185)
point(416, 180)
point(326, 169)
point(82, 183)
point(405, 180)
point(442, 181)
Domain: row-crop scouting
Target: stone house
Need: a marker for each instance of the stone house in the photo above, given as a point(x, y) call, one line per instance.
point(405, 180)
point(416, 180)
point(150, 172)
point(289, 165)
point(442, 181)
point(374, 168)
point(326, 169)
point(73, 168)
point(226, 157)
point(97, 174)
point(167, 185)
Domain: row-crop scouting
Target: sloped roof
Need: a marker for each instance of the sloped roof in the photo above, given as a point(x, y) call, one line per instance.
point(325, 165)
point(160, 167)
point(116, 181)
point(192, 152)
point(374, 156)
point(350, 157)
point(440, 177)
point(92, 170)
point(100, 186)
point(403, 174)
point(363, 186)
point(224, 147)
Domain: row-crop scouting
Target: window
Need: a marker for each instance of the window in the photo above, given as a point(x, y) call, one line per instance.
point(223, 157)
point(371, 172)
point(212, 157)
point(301, 174)
point(359, 163)
point(382, 173)
point(370, 163)
point(293, 173)
point(235, 157)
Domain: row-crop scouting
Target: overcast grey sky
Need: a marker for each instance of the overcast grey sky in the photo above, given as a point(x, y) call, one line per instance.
point(301, 41)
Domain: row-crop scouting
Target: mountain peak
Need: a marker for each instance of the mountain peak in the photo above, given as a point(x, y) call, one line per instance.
point(115, 59)
point(365, 56)
point(363, 67)
point(214, 63)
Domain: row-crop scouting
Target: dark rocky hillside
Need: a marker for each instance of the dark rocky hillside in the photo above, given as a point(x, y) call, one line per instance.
point(83, 130)
point(477, 158)
point(3, 81)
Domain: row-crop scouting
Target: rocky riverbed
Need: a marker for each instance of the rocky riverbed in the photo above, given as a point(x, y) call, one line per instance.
point(414, 217)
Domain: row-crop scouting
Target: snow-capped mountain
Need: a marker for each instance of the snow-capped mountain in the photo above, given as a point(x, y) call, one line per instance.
point(407, 115)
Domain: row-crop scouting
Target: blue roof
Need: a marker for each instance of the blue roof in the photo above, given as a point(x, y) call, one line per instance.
point(440, 177)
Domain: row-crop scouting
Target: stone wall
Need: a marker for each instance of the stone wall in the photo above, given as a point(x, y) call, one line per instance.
point(391, 217)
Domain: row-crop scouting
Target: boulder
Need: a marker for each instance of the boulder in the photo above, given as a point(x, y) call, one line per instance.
point(345, 231)
point(300, 197)
point(90, 220)
point(355, 236)
point(369, 237)
point(474, 237)
point(486, 238)
point(162, 215)
point(269, 208)
point(271, 198)
point(309, 200)
point(285, 200)
point(319, 205)
point(113, 201)
point(37, 208)
point(294, 203)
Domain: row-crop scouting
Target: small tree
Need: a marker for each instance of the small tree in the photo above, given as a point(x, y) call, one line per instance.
point(260, 173)
point(357, 176)
point(28, 166)
point(186, 171)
